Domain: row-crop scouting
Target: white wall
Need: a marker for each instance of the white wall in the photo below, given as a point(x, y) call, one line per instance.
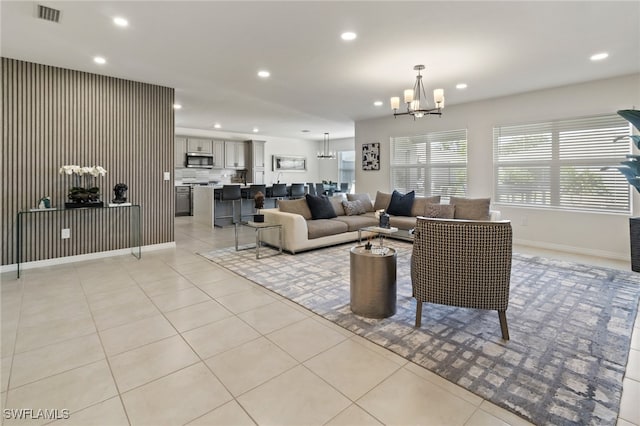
point(605, 235)
point(273, 146)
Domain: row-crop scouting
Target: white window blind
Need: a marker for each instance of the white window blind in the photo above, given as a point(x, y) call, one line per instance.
point(431, 164)
point(557, 164)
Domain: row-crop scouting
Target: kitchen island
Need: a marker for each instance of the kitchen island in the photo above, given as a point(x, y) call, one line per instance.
point(210, 210)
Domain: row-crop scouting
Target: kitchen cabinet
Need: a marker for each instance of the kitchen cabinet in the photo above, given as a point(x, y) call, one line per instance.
point(183, 201)
point(204, 146)
point(218, 154)
point(235, 155)
point(180, 150)
point(256, 169)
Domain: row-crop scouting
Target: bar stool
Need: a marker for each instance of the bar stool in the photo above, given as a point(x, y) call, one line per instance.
point(312, 188)
point(279, 191)
point(231, 193)
point(344, 187)
point(297, 190)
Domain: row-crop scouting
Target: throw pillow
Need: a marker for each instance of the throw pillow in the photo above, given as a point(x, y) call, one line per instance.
point(352, 208)
point(401, 204)
point(382, 201)
point(298, 206)
point(366, 200)
point(440, 211)
point(320, 206)
point(471, 208)
point(419, 203)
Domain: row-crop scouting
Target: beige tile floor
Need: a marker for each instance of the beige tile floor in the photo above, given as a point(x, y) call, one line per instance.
point(173, 339)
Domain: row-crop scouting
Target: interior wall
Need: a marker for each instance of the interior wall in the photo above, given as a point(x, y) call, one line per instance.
point(598, 234)
point(53, 117)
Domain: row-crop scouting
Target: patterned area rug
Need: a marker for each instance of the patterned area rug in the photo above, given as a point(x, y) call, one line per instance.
point(570, 327)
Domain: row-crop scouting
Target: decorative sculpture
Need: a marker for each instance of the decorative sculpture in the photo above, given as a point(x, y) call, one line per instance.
point(259, 204)
point(119, 193)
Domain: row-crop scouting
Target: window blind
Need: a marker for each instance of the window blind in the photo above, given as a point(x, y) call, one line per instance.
point(431, 164)
point(557, 164)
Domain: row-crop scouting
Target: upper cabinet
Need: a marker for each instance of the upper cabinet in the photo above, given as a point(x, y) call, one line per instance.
point(235, 154)
point(180, 150)
point(218, 154)
point(204, 146)
point(257, 151)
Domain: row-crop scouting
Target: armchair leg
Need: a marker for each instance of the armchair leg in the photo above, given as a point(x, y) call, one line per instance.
point(503, 324)
point(418, 313)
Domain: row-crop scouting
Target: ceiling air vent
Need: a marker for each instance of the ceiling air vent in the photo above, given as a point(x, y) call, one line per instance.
point(48, 13)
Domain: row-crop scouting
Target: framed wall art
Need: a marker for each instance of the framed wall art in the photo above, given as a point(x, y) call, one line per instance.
point(289, 163)
point(371, 156)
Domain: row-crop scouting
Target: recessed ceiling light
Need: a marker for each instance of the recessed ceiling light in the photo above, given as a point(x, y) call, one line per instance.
point(305, 131)
point(121, 22)
point(263, 73)
point(177, 106)
point(217, 126)
point(99, 60)
point(599, 56)
point(256, 130)
point(461, 86)
point(348, 36)
point(377, 103)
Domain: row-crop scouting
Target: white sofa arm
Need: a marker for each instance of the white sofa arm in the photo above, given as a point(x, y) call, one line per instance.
point(294, 228)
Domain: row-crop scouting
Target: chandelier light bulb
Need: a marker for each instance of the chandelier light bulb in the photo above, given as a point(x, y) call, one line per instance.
point(408, 96)
point(395, 102)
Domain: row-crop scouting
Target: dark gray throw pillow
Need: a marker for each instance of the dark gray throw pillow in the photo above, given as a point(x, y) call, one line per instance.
point(320, 206)
point(400, 204)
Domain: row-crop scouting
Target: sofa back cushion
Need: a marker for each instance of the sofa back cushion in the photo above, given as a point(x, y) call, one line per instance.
point(401, 204)
point(471, 208)
point(420, 203)
point(298, 206)
point(366, 200)
point(336, 202)
point(320, 206)
point(382, 201)
point(440, 211)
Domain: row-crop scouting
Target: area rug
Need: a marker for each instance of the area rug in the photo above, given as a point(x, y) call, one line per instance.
point(570, 327)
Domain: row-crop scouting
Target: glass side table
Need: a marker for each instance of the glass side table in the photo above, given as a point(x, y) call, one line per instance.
point(260, 227)
point(381, 232)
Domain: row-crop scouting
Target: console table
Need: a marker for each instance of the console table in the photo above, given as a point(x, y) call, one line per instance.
point(51, 220)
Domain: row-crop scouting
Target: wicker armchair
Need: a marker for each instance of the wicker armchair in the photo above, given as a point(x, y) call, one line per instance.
point(462, 263)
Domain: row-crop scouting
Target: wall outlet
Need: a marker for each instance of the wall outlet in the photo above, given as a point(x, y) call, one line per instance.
point(66, 233)
point(167, 175)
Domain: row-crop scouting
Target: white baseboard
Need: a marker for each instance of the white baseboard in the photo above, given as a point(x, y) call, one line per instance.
point(574, 250)
point(82, 257)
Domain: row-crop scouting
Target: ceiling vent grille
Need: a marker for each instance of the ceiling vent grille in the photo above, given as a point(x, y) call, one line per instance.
point(48, 13)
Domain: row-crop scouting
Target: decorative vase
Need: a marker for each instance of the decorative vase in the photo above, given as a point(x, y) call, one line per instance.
point(81, 197)
point(384, 221)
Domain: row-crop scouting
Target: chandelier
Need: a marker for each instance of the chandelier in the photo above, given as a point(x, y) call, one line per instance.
point(326, 154)
point(416, 99)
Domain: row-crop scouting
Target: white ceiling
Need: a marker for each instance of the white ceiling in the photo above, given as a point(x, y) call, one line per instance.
point(211, 51)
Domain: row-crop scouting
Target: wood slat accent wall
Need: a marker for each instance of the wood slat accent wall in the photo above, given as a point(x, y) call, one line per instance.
point(53, 117)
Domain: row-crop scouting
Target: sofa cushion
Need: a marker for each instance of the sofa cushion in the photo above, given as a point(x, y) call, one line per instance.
point(320, 206)
point(366, 200)
point(298, 206)
point(325, 227)
point(336, 202)
point(440, 211)
point(419, 204)
point(356, 222)
point(352, 208)
point(471, 208)
point(382, 201)
point(401, 204)
point(402, 222)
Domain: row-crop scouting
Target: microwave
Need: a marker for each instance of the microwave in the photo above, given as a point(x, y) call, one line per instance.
point(198, 160)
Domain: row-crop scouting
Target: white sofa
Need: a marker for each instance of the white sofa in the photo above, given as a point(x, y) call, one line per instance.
point(296, 231)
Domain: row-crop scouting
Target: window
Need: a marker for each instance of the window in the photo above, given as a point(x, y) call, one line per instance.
point(558, 164)
point(431, 164)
